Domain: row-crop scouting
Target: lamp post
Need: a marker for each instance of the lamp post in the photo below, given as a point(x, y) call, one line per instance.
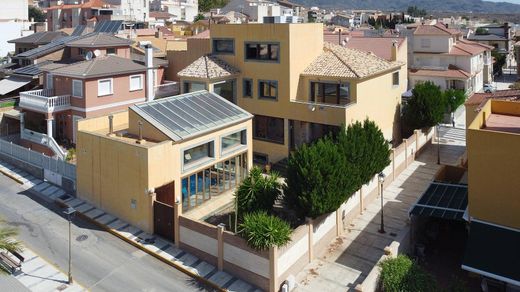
point(438, 145)
point(70, 213)
point(381, 179)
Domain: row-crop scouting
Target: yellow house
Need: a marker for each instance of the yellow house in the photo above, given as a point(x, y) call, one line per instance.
point(299, 87)
point(493, 140)
point(159, 159)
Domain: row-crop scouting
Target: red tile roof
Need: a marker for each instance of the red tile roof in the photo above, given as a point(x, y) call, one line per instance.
point(381, 47)
point(451, 72)
point(480, 98)
point(202, 35)
point(437, 29)
point(160, 14)
point(89, 4)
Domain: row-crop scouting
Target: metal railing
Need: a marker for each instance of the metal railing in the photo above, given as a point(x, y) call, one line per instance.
point(320, 105)
point(45, 140)
point(38, 159)
point(44, 100)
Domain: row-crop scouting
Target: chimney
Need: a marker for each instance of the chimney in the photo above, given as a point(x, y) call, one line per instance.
point(339, 37)
point(148, 56)
point(140, 138)
point(159, 34)
point(394, 50)
point(110, 125)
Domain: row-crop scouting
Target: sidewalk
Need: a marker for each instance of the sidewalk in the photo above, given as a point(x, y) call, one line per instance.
point(38, 275)
point(350, 258)
point(152, 244)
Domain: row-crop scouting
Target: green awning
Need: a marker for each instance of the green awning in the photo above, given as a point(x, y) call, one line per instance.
point(493, 251)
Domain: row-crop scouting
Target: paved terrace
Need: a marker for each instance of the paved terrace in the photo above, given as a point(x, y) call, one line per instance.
point(350, 258)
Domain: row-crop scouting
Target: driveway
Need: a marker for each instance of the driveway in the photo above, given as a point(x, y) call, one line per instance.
point(350, 258)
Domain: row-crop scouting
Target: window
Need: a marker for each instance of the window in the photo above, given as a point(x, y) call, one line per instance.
point(82, 52)
point(260, 158)
point(223, 46)
point(136, 82)
point(198, 153)
point(234, 140)
point(77, 88)
point(247, 88)
point(48, 82)
point(226, 89)
point(111, 51)
point(269, 129)
point(395, 78)
point(268, 89)
point(330, 93)
point(262, 52)
point(193, 86)
point(104, 87)
point(425, 43)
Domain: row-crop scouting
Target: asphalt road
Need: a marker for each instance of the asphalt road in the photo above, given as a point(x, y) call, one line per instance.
point(100, 261)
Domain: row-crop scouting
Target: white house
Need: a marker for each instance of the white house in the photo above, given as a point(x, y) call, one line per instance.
point(14, 23)
point(185, 10)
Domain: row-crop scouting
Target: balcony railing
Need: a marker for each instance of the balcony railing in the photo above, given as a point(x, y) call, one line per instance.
point(45, 140)
point(44, 100)
point(169, 88)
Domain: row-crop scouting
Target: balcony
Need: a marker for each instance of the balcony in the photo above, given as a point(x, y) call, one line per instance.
point(44, 101)
point(169, 88)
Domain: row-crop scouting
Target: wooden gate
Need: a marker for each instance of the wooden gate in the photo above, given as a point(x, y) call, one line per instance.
point(163, 220)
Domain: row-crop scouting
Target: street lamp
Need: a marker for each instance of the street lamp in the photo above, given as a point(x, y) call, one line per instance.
point(438, 145)
point(381, 179)
point(70, 213)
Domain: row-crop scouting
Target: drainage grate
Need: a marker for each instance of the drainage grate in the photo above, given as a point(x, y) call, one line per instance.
point(82, 238)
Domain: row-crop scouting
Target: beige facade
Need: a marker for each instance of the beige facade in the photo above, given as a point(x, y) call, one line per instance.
point(493, 140)
point(301, 119)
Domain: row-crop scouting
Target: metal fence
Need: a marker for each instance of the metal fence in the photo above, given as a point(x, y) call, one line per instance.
point(37, 159)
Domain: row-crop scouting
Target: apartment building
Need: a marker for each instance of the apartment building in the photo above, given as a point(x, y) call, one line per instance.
point(299, 87)
point(257, 10)
point(499, 36)
point(440, 55)
point(185, 10)
point(493, 138)
point(98, 75)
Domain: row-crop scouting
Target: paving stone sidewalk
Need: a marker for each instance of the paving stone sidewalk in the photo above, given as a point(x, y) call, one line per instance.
point(150, 243)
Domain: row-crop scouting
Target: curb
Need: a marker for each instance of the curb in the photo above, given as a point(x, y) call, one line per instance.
point(11, 176)
point(139, 246)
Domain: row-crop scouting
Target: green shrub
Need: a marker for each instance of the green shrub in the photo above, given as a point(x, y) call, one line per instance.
point(263, 231)
point(426, 107)
point(454, 98)
point(317, 182)
point(257, 192)
point(402, 274)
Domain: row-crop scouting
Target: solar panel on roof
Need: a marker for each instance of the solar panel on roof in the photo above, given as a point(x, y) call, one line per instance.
point(108, 26)
point(448, 201)
point(78, 30)
point(54, 45)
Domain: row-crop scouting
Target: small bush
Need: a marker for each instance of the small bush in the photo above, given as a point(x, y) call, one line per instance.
point(263, 231)
point(257, 192)
point(402, 274)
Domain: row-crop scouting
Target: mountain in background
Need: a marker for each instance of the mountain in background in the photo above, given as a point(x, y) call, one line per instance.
point(467, 6)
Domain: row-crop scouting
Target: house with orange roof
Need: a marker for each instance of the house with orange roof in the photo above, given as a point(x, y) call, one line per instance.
point(440, 54)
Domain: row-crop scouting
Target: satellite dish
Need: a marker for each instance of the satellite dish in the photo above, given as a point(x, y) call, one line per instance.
point(97, 53)
point(88, 56)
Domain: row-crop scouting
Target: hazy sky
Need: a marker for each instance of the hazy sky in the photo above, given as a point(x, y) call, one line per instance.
point(512, 1)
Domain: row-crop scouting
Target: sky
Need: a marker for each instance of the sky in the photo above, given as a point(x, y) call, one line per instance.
point(510, 1)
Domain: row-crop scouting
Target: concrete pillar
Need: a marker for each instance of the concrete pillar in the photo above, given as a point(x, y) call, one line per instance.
point(405, 142)
point(176, 214)
point(311, 238)
point(393, 164)
point(273, 266)
point(151, 201)
point(339, 222)
point(50, 126)
point(416, 132)
point(220, 241)
point(361, 200)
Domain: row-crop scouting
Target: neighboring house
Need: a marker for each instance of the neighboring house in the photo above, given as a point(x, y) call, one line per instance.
point(440, 55)
point(160, 159)
point(15, 9)
point(499, 36)
point(131, 12)
point(185, 10)
point(256, 10)
point(14, 23)
point(299, 87)
point(159, 18)
point(477, 100)
point(98, 76)
point(517, 57)
point(493, 140)
point(342, 20)
point(35, 40)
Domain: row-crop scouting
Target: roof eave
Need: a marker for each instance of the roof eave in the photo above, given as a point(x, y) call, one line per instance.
point(108, 74)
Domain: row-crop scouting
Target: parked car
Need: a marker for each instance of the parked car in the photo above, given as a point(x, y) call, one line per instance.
point(488, 88)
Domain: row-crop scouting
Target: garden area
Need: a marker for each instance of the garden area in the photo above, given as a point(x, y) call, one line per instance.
point(320, 177)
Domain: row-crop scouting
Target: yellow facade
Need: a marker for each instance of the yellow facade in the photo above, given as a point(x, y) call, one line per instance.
point(119, 175)
point(374, 97)
point(493, 163)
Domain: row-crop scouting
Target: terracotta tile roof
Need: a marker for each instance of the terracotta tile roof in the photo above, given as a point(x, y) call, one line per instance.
point(160, 14)
point(208, 67)
point(437, 29)
point(382, 47)
point(202, 35)
point(480, 98)
point(96, 40)
point(165, 31)
point(89, 4)
point(337, 61)
point(451, 72)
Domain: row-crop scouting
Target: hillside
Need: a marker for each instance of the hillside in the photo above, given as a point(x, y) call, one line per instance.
point(478, 6)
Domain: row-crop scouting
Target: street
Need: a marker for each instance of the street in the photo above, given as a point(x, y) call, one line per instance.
point(100, 261)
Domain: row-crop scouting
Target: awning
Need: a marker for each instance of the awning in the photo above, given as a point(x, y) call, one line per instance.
point(447, 201)
point(12, 83)
point(493, 251)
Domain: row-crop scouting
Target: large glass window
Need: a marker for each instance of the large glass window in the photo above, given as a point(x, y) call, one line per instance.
point(226, 89)
point(262, 52)
point(223, 46)
point(269, 128)
point(331, 93)
point(198, 153)
point(193, 86)
point(268, 89)
point(234, 140)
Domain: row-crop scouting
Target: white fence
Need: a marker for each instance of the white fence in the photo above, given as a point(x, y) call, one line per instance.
point(38, 159)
